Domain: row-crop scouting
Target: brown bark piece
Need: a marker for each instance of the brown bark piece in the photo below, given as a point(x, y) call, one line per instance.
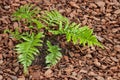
point(73, 4)
point(49, 73)
point(100, 3)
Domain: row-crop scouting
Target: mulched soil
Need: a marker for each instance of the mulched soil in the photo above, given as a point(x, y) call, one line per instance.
point(78, 63)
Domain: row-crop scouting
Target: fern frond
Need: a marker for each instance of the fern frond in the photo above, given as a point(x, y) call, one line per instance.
point(53, 17)
point(38, 23)
point(74, 33)
point(27, 49)
point(83, 35)
point(86, 37)
point(54, 56)
point(14, 34)
point(26, 12)
point(59, 31)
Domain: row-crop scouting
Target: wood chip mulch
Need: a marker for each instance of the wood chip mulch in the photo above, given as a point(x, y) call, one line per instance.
point(78, 63)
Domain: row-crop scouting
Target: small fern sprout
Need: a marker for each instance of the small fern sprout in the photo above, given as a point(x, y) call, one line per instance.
point(54, 55)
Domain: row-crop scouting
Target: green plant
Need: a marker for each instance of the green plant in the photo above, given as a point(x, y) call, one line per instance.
point(54, 55)
point(27, 49)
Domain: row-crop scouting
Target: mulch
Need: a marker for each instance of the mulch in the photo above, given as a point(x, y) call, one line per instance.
point(78, 62)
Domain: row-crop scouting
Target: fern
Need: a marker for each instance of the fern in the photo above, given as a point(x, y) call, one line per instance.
point(27, 49)
point(54, 56)
point(73, 32)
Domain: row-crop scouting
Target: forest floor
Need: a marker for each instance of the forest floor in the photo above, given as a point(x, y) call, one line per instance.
point(77, 63)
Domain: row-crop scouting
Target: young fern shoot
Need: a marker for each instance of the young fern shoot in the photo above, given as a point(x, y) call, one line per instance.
point(54, 55)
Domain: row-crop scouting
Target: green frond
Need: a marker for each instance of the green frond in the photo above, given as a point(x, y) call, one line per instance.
point(14, 34)
point(53, 18)
point(59, 31)
point(38, 23)
point(27, 12)
point(74, 33)
point(27, 49)
point(54, 56)
point(86, 37)
point(83, 35)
